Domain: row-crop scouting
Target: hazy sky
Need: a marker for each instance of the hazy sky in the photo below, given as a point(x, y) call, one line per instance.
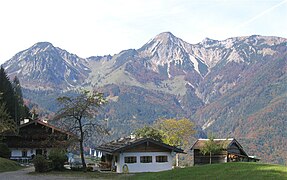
point(100, 27)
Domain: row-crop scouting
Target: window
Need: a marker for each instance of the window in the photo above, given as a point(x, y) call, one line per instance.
point(161, 158)
point(146, 159)
point(24, 153)
point(131, 159)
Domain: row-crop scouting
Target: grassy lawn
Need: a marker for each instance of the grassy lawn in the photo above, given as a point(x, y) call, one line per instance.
point(88, 175)
point(219, 171)
point(216, 171)
point(8, 165)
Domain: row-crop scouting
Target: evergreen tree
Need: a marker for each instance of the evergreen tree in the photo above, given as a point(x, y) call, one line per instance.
point(21, 110)
point(7, 93)
point(12, 98)
point(6, 123)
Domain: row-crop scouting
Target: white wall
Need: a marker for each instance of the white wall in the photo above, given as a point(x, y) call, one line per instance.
point(18, 152)
point(144, 167)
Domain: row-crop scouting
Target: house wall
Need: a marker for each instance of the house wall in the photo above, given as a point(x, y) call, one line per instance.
point(144, 167)
point(147, 147)
point(18, 152)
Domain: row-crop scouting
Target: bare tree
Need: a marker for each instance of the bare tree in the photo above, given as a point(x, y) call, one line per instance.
point(78, 114)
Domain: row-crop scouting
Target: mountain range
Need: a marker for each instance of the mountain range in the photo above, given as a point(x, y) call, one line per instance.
point(232, 88)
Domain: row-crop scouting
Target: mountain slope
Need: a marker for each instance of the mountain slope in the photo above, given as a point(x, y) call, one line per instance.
point(157, 63)
point(44, 66)
point(254, 110)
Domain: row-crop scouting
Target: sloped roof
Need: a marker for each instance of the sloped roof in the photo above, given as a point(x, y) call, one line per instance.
point(225, 142)
point(125, 143)
point(29, 136)
point(37, 121)
point(200, 143)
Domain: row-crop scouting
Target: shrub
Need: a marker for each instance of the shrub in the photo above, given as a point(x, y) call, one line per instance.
point(90, 169)
point(40, 163)
point(58, 158)
point(4, 151)
point(76, 166)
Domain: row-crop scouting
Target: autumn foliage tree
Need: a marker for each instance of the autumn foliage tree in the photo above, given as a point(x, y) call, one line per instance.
point(175, 132)
point(78, 114)
point(170, 131)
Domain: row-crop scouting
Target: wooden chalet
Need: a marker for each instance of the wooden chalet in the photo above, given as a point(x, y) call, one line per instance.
point(137, 155)
point(35, 137)
point(232, 152)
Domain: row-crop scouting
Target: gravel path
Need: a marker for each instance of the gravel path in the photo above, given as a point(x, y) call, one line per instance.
point(23, 175)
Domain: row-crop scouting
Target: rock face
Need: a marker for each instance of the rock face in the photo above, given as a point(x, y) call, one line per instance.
point(44, 66)
point(235, 87)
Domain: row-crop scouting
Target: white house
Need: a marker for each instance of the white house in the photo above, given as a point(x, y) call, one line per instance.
point(137, 155)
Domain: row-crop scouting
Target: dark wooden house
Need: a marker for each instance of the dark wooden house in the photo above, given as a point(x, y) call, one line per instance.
point(231, 151)
point(36, 137)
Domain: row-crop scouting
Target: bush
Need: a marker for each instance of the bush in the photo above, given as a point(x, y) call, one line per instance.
point(40, 163)
point(90, 169)
point(76, 166)
point(58, 158)
point(4, 151)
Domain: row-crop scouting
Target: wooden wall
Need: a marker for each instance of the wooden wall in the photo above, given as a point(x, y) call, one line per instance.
point(147, 147)
point(200, 159)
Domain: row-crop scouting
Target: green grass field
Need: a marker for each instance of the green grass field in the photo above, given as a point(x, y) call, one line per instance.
point(220, 171)
point(8, 165)
point(232, 171)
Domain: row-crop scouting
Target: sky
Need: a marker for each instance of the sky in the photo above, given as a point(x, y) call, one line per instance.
point(101, 27)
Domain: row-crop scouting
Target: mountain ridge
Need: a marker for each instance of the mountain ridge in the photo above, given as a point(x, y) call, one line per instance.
point(38, 63)
point(224, 87)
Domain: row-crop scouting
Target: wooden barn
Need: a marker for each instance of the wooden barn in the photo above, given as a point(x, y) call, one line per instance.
point(35, 137)
point(231, 151)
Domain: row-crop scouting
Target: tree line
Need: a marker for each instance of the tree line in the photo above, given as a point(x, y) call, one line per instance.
point(12, 107)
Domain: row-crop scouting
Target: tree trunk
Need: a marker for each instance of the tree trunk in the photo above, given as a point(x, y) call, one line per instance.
point(209, 157)
point(82, 156)
point(82, 147)
point(177, 160)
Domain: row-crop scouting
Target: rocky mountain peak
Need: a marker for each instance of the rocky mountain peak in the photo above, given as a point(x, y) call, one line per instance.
point(42, 45)
point(207, 42)
point(165, 36)
point(162, 41)
point(44, 66)
point(170, 55)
